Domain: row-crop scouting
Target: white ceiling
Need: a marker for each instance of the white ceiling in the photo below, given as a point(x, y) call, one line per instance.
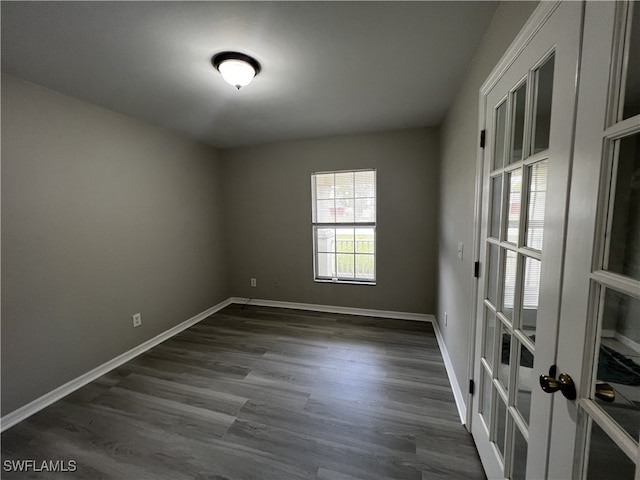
point(327, 67)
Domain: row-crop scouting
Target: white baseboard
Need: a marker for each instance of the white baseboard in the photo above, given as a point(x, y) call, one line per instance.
point(455, 386)
point(635, 346)
point(366, 312)
point(47, 399)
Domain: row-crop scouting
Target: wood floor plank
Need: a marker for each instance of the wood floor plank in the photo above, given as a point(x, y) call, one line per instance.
point(264, 393)
point(182, 392)
point(336, 430)
point(311, 450)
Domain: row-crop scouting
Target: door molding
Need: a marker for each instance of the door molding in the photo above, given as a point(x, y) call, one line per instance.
point(537, 19)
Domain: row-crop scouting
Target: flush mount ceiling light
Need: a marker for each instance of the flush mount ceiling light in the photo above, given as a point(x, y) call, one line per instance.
point(236, 68)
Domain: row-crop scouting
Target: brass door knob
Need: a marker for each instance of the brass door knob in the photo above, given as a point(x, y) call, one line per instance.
point(549, 384)
point(605, 392)
point(564, 383)
point(567, 387)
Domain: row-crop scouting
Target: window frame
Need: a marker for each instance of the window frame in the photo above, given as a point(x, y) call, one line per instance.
point(315, 226)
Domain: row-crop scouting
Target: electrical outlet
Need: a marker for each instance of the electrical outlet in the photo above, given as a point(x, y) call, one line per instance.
point(276, 284)
point(446, 318)
point(460, 250)
point(137, 320)
point(253, 282)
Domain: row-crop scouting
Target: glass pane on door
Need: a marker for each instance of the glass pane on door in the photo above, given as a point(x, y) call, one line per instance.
point(537, 202)
point(514, 194)
point(505, 356)
point(606, 460)
point(624, 235)
point(501, 421)
point(509, 283)
point(519, 102)
point(526, 381)
point(489, 339)
point(631, 103)
point(493, 252)
point(519, 455)
point(496, 203)
point(485, 407)
point(531, 289)
point(617, 389)
point(542, 121)
point(498, 147)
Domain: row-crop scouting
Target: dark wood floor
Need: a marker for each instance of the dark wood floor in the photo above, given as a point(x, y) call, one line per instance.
point(263, 393)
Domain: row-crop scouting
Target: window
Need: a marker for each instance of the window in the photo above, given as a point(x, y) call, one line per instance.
point(344, 226)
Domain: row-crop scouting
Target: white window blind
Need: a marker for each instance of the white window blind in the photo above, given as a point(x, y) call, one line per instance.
point(344, 225)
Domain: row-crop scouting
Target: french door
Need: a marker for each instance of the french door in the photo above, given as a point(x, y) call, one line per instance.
point(596, 436)
point(529, 112)
point(559, 289)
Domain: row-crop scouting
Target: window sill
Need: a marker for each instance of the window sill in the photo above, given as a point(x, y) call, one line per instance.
point(348, 282)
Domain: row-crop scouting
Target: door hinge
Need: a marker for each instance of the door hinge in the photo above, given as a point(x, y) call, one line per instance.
point(472, 387)
point(476, 269)
point(483, 134)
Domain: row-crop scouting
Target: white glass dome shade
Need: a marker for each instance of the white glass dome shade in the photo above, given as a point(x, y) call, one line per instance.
point(237, 69)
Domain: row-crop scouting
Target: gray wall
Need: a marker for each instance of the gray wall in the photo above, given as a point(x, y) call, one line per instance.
point(268, 219)
point(458, 144)
point(102, 217)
